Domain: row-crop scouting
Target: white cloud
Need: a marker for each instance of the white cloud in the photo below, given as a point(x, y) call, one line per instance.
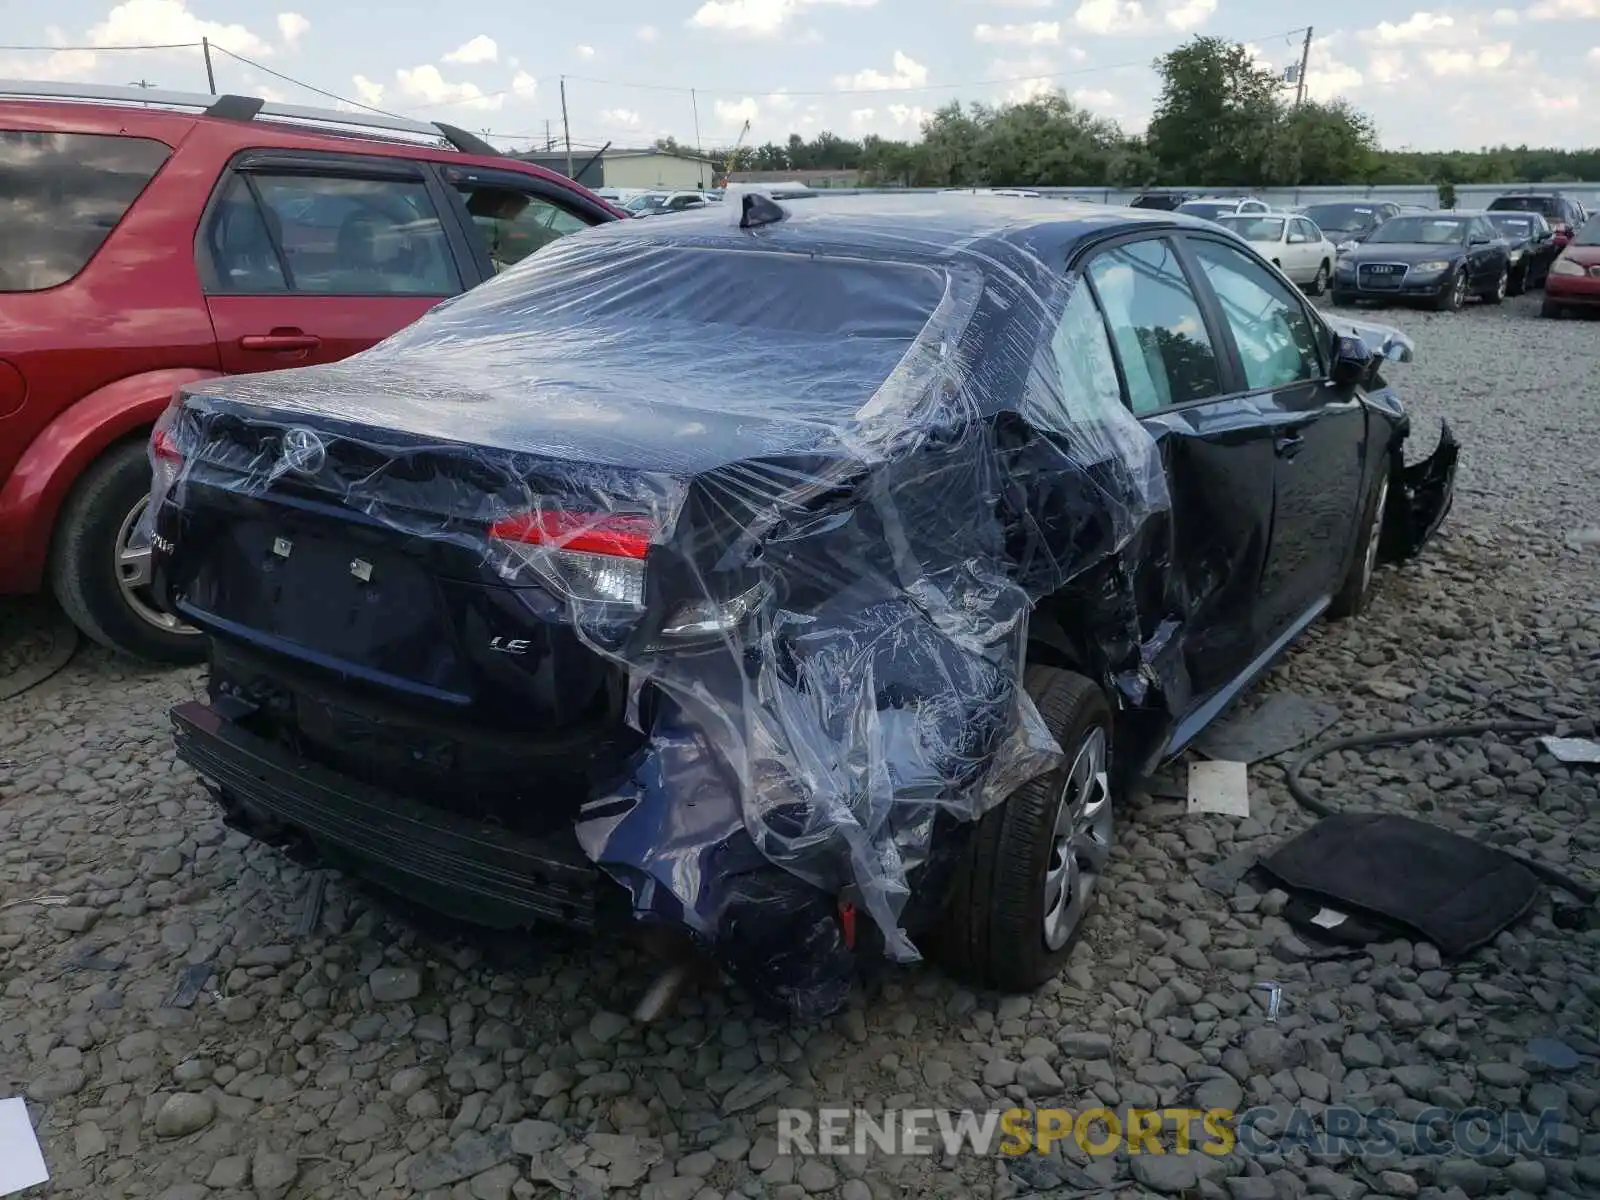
point(1387, 66)
point(620, 116)
point(1504, 16)
point(1594, 55)
point(1561, 103)
point(737, 112)
point(860, 118)
point(1034, 33)
point(1419, 26)
point(524, 84)
point(291, 27)
point(141, 22)
point(647, 33)
point(908, 114)
point(369, 92)
point(584, 51)
point(1566, 10)
point(1026, 79)
point(1094, 98)
point(1468, 62)
point(481, 49)
point(907, 73)
point(61, 65)
point(424, 83)
point(1327, 78)
point(1131, 16)
point(760, 18)
point(780, 100)
point(1022, 3)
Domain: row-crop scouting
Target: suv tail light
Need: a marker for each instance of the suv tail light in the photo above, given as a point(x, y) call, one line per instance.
point(584, 556)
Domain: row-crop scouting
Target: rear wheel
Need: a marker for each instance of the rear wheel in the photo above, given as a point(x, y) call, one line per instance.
point(1519, 280)
point(1352, 596)
point(1034, 861)
point(1320, 283)
point(100, 568)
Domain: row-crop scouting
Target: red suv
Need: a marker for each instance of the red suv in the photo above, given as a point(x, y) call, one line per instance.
point(149, 240)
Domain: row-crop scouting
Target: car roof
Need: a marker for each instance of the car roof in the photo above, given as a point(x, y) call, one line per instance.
point(172, 125)
point(906, 228)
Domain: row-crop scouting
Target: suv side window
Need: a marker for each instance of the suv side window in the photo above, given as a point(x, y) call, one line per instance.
point(61, 195)
point(1156, 325)
point(1277, 342)
point(331, 236)
point(514, 223)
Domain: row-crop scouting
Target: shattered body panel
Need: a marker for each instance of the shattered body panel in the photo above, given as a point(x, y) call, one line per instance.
point(719, 553)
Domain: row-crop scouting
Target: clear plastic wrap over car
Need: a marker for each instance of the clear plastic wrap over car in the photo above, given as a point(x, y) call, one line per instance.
point(771, 485)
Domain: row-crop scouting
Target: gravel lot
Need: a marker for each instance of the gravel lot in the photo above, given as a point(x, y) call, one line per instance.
point(387, 1055)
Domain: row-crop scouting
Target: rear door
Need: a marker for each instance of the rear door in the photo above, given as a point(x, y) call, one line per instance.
point(1317, 434)
point(309, 258)
point(1216, 449)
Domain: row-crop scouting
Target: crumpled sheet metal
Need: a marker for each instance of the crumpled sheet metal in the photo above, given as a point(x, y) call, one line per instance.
point(811, 432)
point(1383, 341)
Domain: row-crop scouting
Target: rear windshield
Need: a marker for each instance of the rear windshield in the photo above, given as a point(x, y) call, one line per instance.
point(675, 323)
point(1545, 205)
point(1343, 218)
point(61, 195)
point(1255, 229)
point(1428, 231)
point(1519, 226)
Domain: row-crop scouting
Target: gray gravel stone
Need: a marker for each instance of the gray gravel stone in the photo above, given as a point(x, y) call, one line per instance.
point(184, 1113)
point(391, 985)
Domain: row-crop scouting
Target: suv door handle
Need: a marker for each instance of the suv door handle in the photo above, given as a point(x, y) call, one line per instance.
point(280, 339)
point(1288, 445)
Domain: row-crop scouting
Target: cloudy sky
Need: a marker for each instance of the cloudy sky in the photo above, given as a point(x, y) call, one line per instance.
point(1455, 76)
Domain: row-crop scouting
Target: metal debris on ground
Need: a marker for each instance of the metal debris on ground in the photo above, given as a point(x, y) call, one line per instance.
point(1219, 787)
point(1284, 722)
point(1571, 749)
point(311, 913)
point(90, 958)
point(1274, 991)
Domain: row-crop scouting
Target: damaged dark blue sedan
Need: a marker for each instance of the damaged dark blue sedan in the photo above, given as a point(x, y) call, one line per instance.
point(801, 585)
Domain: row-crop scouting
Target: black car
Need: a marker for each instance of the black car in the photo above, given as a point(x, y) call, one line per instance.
point(1566, 215)
point(1533, 247)
point(1161, 201)
point(1349, 224)
point(806, 583)
point(1438, 259)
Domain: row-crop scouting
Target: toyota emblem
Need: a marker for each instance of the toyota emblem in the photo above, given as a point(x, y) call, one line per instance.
point(303, 452)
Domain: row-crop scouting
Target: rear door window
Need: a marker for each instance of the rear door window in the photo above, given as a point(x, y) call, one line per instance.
point(1156, 325)
point(331, 236)
point(61, 195)
point(512, 223)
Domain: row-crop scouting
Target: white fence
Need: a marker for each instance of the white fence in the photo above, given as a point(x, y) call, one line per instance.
point(1468, 195)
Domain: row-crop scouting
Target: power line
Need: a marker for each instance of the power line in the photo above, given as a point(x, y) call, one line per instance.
point(853, 91)
point(98, 49)
point(310, 87)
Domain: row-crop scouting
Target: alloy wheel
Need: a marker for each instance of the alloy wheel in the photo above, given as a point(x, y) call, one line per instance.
point(1458, 296)
point(1369, 562)
point(133, 563)
point(1081, 839)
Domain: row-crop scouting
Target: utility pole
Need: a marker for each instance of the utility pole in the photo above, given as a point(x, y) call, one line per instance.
point(694, 103)
point(566, 129)
point(211, 77)
point(1305, 58)
point(549, 142)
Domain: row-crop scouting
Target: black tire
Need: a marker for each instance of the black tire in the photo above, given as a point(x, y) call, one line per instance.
point(83, 561)
point(1319, 284)
point(1549, 308)
point(992, 930)
point(1519, 283)
point(1453, 298)
point(1502, 286)
point(1343, 299)
point(1351, 598)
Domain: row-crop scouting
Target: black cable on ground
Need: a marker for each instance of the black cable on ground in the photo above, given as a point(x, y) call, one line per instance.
point(1424, 733)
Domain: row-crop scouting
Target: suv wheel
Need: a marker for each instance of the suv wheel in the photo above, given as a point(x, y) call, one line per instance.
point(1497, 294)
point(99, 573)
point(1352, 596)
point(1030, 871)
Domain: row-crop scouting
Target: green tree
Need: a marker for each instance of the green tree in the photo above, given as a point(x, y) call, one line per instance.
point(1329, 143)
point(1216, 121)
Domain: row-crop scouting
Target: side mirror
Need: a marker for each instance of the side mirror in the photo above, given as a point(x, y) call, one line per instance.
point(1477, 239)
point(1353, 363)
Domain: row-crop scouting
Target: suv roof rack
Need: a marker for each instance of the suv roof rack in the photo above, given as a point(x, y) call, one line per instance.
point(244, 108)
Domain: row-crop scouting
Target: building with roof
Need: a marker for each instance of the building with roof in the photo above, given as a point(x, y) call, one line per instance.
point(668, 170)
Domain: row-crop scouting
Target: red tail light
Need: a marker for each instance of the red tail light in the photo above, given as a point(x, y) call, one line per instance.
point(615, 535)
point(162, 445)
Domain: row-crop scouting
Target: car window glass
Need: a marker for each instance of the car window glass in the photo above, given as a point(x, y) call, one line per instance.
point(358, 237)
point(1085, 371)
point(513, 224)
point(61, 195)
point(1156, 326)
point(244, 256)
point(1306, 230)
point(1277, 342)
